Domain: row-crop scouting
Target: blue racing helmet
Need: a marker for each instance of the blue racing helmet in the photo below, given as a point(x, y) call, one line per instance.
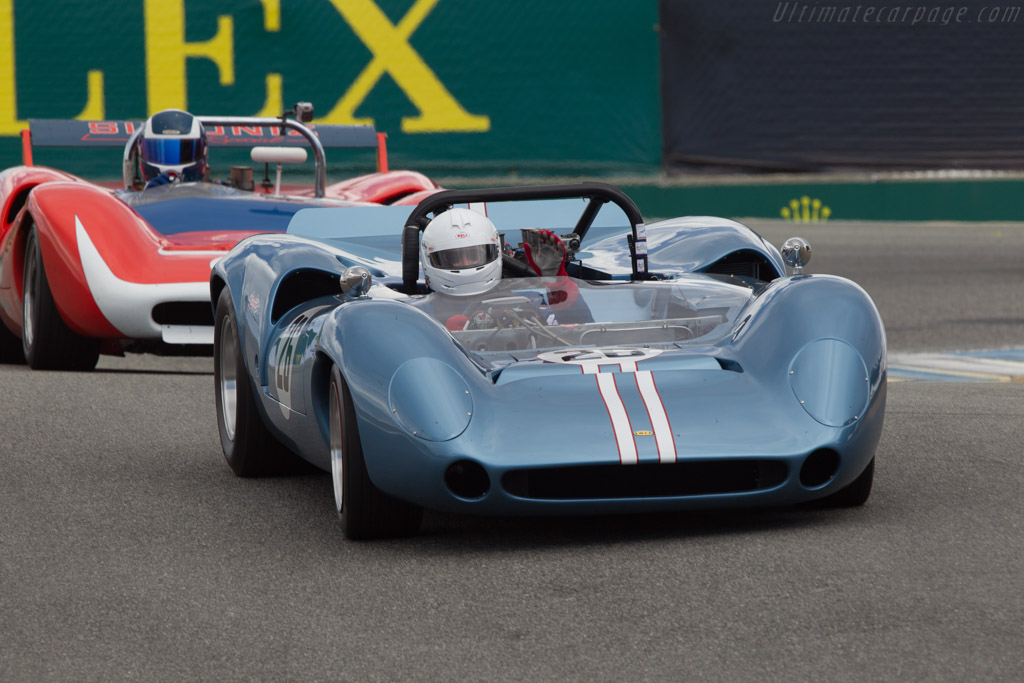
point(173, 142)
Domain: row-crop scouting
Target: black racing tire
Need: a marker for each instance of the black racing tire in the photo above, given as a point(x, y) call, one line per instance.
point(249, 447)
point(365, 512)
point(46, 340)
point(10, 347)
point(853, 494)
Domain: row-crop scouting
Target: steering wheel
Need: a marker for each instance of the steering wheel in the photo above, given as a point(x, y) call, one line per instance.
point(512, 268)
point(504, 312)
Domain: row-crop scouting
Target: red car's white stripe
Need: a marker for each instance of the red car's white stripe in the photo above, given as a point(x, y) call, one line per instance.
point(127, 305)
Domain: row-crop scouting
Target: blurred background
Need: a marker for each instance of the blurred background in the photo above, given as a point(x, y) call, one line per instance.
point(801, 111)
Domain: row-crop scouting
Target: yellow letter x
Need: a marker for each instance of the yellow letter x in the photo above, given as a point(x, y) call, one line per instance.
point(439, 111)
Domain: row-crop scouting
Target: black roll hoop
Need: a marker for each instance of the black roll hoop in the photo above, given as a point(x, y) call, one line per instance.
point(597, 193)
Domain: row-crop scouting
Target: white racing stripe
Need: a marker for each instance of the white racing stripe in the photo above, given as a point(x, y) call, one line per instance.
point(620, 419)
point(659, 418)
point(591, 362)
point(621, 424)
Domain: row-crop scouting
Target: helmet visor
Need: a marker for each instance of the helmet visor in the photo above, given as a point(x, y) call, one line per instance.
point(172, 151)
point(464, 257)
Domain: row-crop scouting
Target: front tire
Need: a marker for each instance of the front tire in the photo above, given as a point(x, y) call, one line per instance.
point(855, 493)
point(364, 511)
point(10, 347)
point(47, 341)
point(249, 448)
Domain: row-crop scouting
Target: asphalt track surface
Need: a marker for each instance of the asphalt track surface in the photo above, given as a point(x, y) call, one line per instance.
point(128, 550)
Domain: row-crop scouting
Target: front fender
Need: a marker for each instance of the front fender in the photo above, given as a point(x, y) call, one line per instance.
point(57, 208)
point(370, 339)
point(17, 182)
point(819, 340)
point(404, 370)
point(795, 311)
point(16, 185)
point(255, 271)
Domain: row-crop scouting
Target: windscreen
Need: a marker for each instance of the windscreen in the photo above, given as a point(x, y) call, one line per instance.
point(527, 316)
point(558, 215)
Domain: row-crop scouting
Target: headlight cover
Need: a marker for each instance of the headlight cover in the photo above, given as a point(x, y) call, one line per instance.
point(430, 400)
point(830, 379)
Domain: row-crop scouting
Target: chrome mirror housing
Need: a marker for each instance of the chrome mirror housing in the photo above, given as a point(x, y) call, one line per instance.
point(302, 111)
point(355, 281)
point(796, 252)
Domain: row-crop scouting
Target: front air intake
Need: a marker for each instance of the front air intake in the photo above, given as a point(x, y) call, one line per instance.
point(646, 480)
point(819, 468)
point(183, 313)
point(467, 479)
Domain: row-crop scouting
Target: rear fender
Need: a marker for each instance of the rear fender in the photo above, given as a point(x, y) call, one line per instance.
point(381, 188)
point(698, 242)
point(687, 245)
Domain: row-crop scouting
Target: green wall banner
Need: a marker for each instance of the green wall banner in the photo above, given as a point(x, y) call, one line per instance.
point(458, 85)
point(824, 198)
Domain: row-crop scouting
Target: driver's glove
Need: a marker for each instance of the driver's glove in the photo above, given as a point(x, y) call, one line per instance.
point(544, 251)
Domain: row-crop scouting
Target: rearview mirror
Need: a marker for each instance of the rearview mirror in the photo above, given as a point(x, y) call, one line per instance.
point(303, 112)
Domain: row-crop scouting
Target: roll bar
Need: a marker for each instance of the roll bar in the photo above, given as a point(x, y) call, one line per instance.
point(598, 194)
point(320, 177)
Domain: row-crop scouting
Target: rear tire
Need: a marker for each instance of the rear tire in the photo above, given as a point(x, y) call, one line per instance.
point(249, 448)
point(854, 494)
point(364, 511)
point(46, 340)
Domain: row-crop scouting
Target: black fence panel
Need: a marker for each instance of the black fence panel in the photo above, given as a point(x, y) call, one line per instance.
point(767, 85)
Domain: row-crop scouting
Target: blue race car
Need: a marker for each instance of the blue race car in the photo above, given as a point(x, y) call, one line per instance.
point(689, 371)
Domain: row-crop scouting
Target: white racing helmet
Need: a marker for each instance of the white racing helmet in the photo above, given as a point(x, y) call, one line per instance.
point(461, 253)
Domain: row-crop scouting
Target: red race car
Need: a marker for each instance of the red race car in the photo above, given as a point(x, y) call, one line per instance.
point(88, 269)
